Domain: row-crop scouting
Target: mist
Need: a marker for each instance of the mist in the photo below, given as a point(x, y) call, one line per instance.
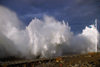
point(45, 37)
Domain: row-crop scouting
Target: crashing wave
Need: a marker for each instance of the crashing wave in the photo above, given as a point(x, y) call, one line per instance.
point(45, 38)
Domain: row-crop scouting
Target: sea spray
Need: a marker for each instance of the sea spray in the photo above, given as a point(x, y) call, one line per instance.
point(42, 38)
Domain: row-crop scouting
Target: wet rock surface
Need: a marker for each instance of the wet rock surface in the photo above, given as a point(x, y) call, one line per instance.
point(84, 60)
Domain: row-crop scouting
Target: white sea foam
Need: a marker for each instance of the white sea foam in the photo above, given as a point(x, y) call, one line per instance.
point(44, 38)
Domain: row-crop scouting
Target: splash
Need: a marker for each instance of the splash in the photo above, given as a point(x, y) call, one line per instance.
point(42, 38)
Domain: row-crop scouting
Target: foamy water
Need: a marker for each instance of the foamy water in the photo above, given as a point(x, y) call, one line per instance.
point(45, 38)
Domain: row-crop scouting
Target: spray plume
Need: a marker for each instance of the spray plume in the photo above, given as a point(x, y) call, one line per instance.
point(44, 38)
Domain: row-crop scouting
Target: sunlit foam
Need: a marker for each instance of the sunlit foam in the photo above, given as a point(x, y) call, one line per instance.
point(45, 38)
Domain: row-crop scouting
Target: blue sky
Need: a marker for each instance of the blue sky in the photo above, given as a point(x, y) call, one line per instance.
point(78, 13)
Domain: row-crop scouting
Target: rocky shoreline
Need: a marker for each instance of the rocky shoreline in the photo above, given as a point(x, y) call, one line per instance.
point(82, 60)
